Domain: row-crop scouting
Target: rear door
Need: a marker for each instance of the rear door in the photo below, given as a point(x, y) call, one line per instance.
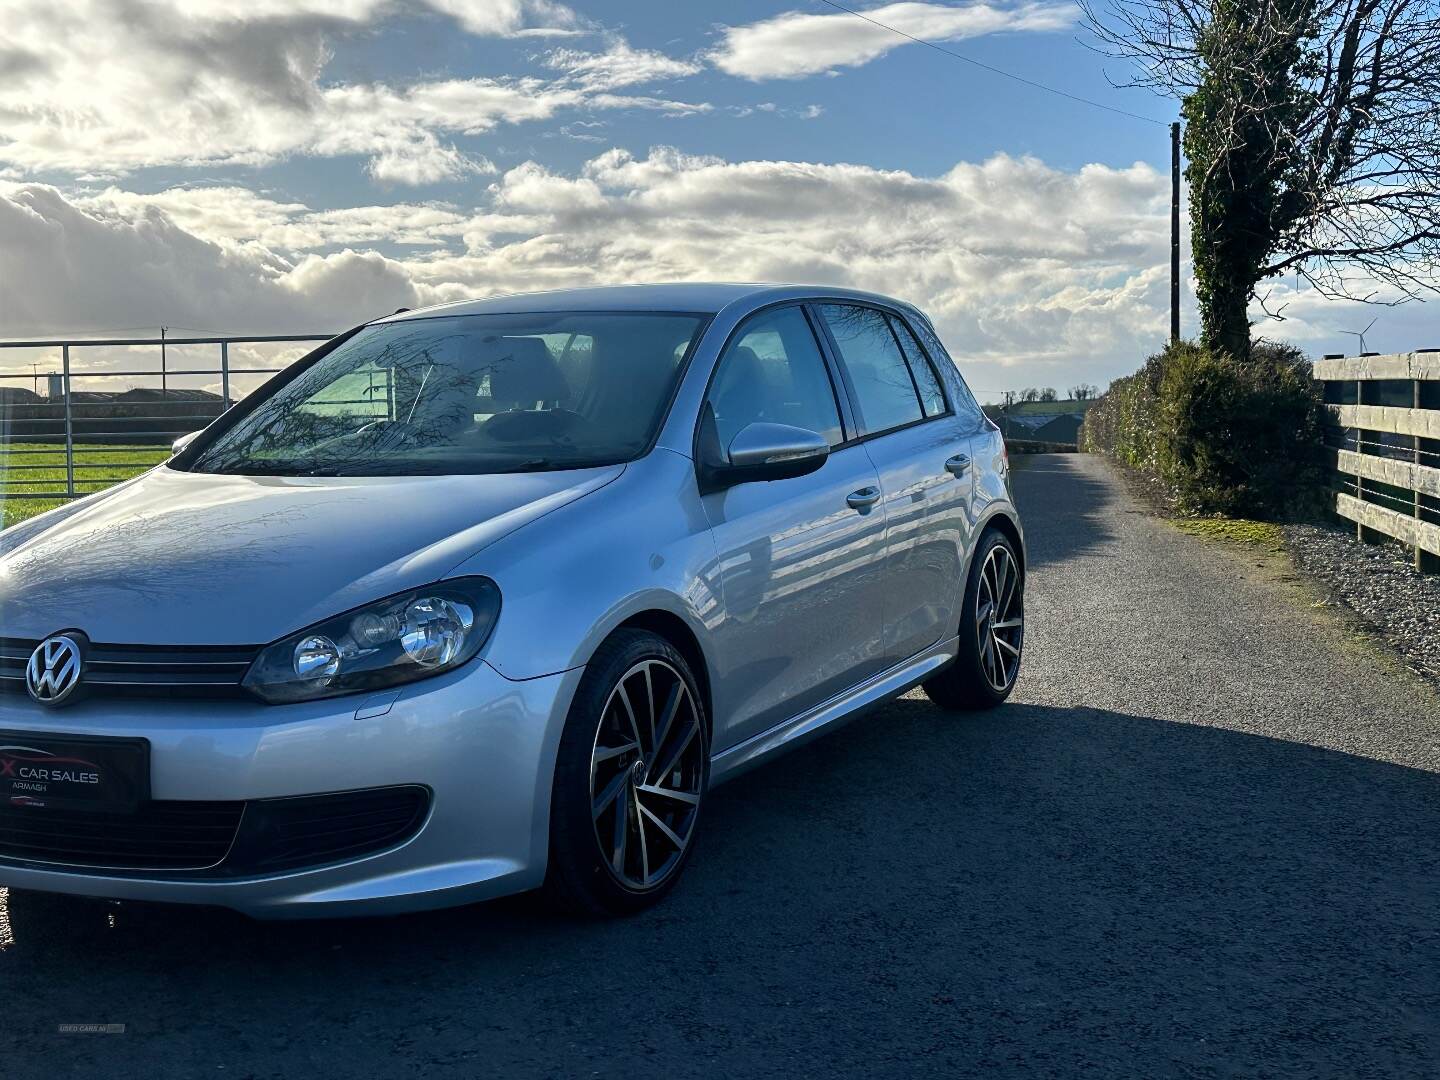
point(802, 560)
point(921, 452)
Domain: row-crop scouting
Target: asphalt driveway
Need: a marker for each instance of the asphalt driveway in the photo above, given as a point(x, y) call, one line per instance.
point(1204, 841)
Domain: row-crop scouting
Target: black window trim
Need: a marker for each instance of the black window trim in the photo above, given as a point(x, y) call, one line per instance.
point(842, 402)
point(834, 349)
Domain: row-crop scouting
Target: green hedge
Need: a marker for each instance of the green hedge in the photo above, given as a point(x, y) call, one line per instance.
point(1223, 437)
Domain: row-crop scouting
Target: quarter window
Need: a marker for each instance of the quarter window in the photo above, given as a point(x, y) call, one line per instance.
point(931, 396)
point(884, 388)
point(773, 373)
point(966, 407)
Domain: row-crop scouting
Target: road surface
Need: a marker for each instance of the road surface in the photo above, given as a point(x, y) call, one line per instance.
point(1204, 841)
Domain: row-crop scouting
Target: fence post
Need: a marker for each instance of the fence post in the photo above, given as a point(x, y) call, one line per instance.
point(1426, 562)
point(69, 424)
point(225, 372)
point(1362, 534)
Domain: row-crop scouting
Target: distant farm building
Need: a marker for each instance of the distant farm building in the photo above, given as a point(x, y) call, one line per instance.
point(1055, 422)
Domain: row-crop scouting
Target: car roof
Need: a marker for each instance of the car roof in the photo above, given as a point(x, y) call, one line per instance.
point(689, 296)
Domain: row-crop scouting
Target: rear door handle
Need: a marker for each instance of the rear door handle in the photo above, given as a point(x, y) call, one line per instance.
point(863, 499)
point(957, 465)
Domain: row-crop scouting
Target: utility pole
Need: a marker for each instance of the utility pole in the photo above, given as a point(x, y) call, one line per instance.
point(163, 385)
point(1174, 232)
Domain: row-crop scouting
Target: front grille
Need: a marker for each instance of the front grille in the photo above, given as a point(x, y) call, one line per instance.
point(158, 836)
point(217, 839)
point(149, 671)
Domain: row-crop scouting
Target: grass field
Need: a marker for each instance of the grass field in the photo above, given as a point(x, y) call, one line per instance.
point(41, 467)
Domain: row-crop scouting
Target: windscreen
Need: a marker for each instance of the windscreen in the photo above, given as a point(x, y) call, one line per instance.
point(467, 394)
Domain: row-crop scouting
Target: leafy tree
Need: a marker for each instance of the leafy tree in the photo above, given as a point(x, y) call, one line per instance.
point(1313, 139)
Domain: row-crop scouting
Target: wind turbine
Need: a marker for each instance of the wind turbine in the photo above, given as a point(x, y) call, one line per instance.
point(1361, 333)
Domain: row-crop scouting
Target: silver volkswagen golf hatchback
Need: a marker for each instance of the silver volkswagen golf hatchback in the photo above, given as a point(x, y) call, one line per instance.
point(487, 597)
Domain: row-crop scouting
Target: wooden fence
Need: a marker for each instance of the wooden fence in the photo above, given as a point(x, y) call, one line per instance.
point(1387, 446)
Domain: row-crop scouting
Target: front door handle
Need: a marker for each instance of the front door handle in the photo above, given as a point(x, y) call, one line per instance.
point(958, 465)
point(863, 499)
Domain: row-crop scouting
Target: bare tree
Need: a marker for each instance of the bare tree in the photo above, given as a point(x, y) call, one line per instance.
point(1049, 393)
point(1030, 393)
point(1084, 392)
point(1313, 138)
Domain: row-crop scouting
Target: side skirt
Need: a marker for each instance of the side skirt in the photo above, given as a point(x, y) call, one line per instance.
point(828, 715)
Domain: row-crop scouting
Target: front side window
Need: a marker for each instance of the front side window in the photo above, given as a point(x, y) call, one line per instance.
point(773, 373)
point(884, 389)
point(468, 394)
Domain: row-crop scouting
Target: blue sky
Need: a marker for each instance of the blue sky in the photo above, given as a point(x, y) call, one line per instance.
point(293, 164)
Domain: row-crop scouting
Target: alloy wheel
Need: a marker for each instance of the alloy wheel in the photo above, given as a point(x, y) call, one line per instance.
point(647, 774)
point(999, 618)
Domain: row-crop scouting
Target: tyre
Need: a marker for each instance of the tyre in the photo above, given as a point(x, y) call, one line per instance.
point(992, 631)
point(630, 779)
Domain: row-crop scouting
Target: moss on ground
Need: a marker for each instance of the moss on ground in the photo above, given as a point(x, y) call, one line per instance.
point(1234, 530)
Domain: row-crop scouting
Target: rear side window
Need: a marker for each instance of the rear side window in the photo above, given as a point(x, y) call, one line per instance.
point(884, 389)
point(931, 396)
point(773, 373)
point(966, 407)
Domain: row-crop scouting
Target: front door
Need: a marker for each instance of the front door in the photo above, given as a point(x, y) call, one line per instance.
point(801, 560)
point(920, 451)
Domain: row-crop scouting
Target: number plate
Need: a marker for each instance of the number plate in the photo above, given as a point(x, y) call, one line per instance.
point(53, 772)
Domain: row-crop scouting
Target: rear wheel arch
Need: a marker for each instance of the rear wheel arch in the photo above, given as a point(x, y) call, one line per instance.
point(1003, 523)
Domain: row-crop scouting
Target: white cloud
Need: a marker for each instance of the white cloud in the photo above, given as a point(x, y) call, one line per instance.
point(796, 44)
point(619, 65)
point(104, 87)
point(73, 268)
point(236, 216)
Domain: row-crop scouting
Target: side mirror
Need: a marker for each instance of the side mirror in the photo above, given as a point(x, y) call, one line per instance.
point(182, 442)
point(761, 452)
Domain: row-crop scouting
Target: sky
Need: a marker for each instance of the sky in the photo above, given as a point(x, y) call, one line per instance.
point(304, 165)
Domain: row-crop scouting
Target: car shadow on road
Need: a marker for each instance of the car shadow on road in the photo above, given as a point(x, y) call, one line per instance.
point(1035, 889)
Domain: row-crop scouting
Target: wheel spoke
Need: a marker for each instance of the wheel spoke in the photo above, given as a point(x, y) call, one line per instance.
point(674, 757)
point(629, 709)
point(1011, 584)
point(667, 719)
point(665, 830)
point(1008, 624)
point(1011, 649)
point(605, 753)
point(650, 709)
point(644, 848)
point(621, 831)
point(687, 797)
point(612, 789)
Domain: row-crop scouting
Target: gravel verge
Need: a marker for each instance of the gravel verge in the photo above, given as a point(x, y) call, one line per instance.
point(1379, 583)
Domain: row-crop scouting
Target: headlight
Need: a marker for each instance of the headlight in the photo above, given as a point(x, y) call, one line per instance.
point(409, 636)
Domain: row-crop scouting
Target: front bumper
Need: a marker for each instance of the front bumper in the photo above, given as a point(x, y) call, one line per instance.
point(482, 744)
